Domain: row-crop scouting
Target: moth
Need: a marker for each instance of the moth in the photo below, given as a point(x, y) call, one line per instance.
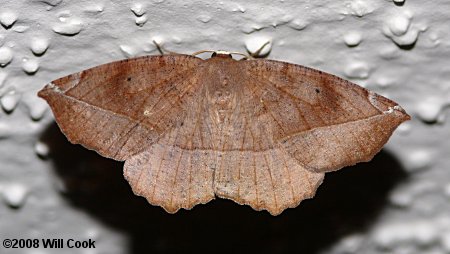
point(259, 132)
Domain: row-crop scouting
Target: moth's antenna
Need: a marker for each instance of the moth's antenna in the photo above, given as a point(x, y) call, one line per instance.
point(162, 50)
point(246, 56)
point(158, 47)
point(203, 51)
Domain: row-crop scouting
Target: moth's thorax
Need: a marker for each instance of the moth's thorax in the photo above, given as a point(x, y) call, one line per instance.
point(222, 89)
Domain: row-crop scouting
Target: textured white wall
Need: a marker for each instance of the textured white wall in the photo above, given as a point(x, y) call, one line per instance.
point(398, 203)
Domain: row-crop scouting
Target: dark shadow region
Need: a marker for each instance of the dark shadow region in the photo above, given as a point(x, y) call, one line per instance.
point(348, 202)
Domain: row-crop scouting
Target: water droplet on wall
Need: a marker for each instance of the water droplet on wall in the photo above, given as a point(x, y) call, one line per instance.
point(258, 46)
point(298, 24)
point(176, 39)
point(97, 8)
point(41, 149)
point(138, 9)
point(360, 8)
point(401, 198)
point(358, 70)
point(204, 18)
point(399, 25)
point(239, 8)
point(389, 51)
point(399, 1)
point(140, 21)
point(352, 39)
point(406, 233)
point(39, 46)
point(69, 28)
point(385, 81)
point(400, 30)
point(9, 101)
point(7, 19)
point(417, 160)
point(14, 194)
point(20, 29)
point(408, 39)
point(434, 39)
point(30, 66)
point(128, 51)
point(350, 244)
point(37, 109)
point(6, 56)
point(52, 3)
point(429, 109)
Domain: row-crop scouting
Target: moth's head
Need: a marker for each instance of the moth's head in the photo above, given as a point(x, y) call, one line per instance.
point(221, 54)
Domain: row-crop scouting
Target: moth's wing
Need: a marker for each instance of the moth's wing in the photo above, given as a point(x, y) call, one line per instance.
point(141, 110)
point(250, 167)
point(291, 125)
point(266, 179)
point(119, 108)
point(177, 171)
point(323, 121)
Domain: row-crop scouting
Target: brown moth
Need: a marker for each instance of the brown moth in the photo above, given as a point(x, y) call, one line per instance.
point(259, 132)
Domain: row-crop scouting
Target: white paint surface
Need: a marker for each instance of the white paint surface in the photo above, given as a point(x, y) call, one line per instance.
point(400, 49)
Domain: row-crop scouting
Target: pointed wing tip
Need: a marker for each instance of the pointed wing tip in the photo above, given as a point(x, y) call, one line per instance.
point(400, 113)
point(43, 93)
point(405, 116)
point(48, 89)
point(387, 106)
